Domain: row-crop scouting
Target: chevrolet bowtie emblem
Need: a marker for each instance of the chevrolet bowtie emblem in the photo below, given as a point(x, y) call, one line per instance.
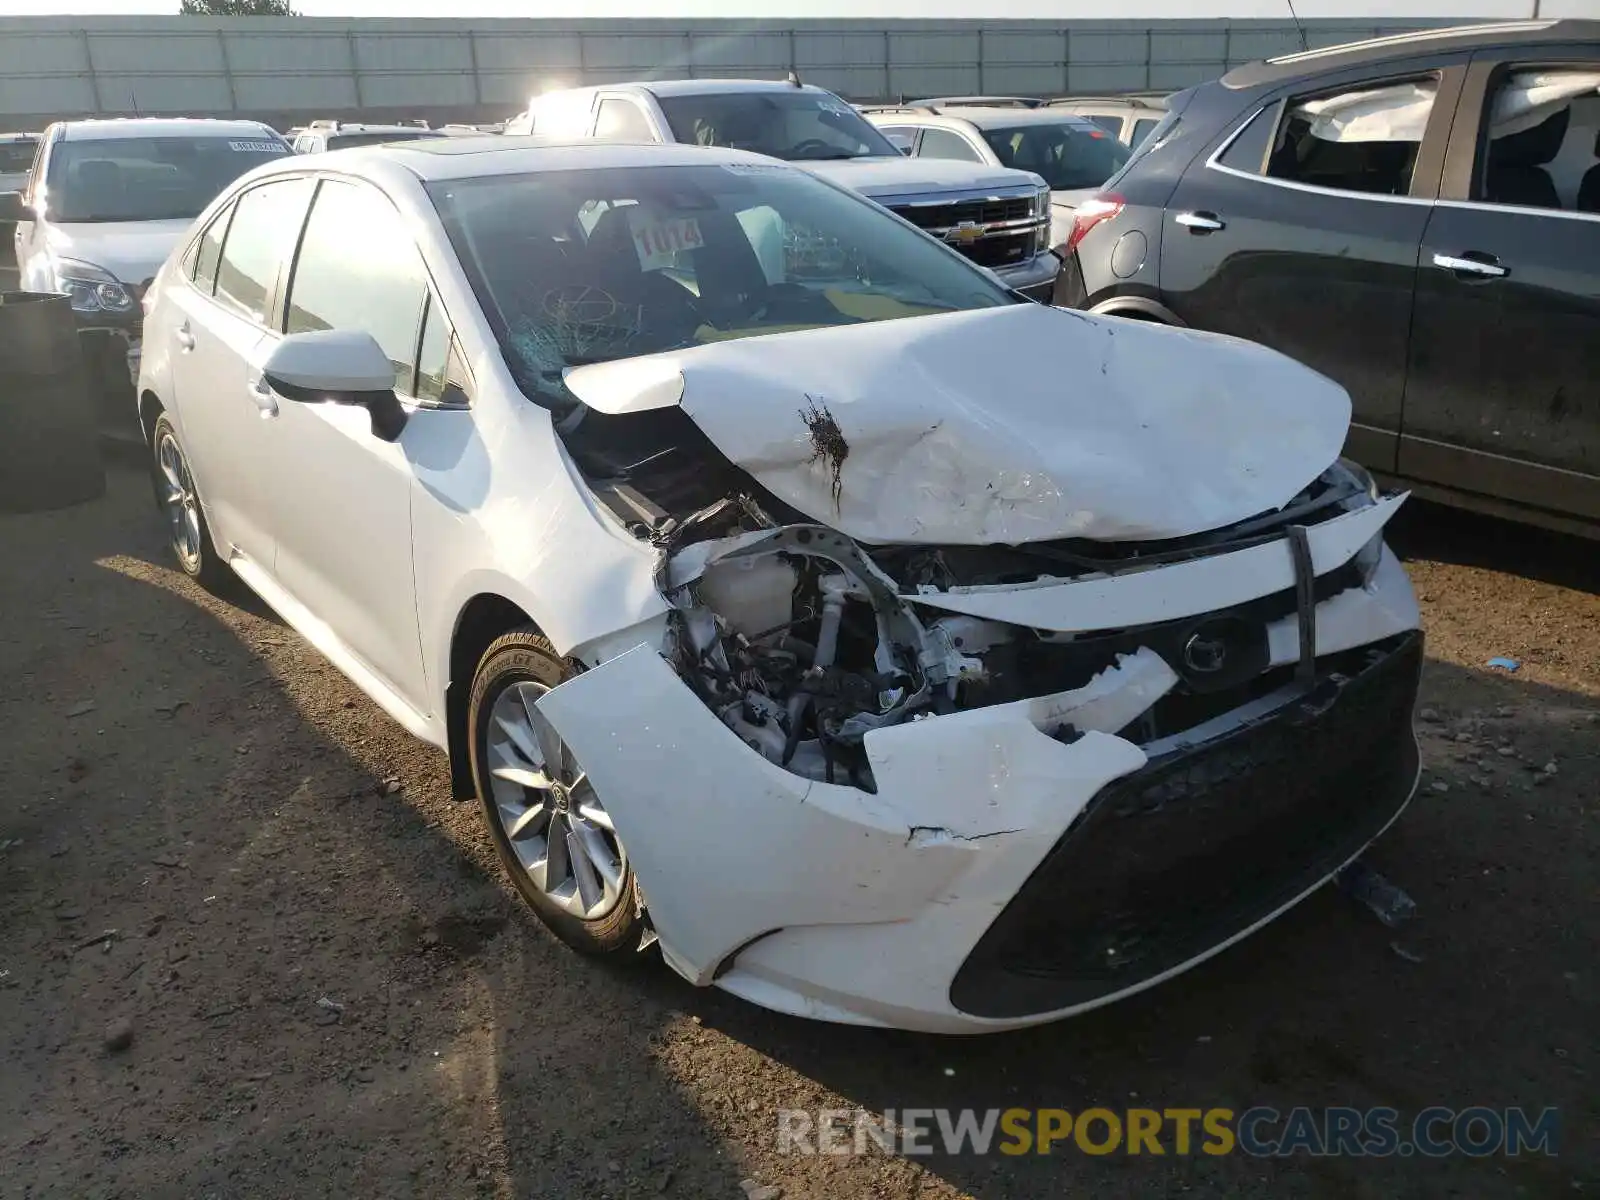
point(968, 232)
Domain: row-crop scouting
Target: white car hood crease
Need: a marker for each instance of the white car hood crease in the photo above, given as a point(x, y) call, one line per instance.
point(1002, 425)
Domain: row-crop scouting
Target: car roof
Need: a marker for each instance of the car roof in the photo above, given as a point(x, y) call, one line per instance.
point(990, 101)
point(1408, 45)
point(713, 87)
point(1110, 103)
point(19, 137)
point(407, 130)
point(137, 127)
point(515, 154)
point(985, 117)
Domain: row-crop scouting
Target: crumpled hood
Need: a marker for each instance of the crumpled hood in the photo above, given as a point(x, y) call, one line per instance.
point(886, 179)
point(133, 251)
point(1001, 425)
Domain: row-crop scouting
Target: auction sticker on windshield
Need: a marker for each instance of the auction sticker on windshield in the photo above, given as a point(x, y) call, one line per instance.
point(658, 242)
point(258, 147)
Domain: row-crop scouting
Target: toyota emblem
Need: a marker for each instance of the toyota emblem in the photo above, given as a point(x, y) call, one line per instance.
point(1205, 655)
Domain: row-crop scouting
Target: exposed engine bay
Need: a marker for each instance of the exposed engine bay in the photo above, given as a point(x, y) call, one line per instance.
point(801, 640)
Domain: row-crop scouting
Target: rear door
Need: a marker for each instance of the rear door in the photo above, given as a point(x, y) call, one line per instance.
point(1503, 395)
point(1300, 229)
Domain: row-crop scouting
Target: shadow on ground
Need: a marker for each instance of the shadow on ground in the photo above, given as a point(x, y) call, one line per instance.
point(327, 989)
point(261, 840)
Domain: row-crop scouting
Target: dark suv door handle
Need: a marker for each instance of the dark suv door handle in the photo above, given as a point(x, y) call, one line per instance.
point(1199, 222)
point(1473, 262)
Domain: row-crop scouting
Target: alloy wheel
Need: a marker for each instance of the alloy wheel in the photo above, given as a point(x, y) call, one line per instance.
point(179, 501)
point(551, 816)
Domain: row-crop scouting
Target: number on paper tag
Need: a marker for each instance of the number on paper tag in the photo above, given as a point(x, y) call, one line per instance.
point(257, 147)
point(659, 242)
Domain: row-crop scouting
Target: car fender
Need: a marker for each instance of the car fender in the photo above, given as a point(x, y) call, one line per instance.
point(533, 536)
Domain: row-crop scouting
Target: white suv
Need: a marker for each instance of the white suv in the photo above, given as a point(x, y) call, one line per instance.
point(997, 217)
point(104, 206)
point(774, 593)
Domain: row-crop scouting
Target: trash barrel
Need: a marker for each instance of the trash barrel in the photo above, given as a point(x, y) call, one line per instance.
point(49, 442)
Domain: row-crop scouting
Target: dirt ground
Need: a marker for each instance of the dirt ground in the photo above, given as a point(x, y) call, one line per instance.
point(251, 947)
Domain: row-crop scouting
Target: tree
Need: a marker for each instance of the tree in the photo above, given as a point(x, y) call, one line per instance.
point(236, 8)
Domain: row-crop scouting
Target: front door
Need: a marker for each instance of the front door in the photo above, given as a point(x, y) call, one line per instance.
point(1503, 396)
point(216, 334)
point(340, 496)
point(1301, 232)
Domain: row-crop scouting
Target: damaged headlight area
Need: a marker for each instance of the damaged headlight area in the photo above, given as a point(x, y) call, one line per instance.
point(802, 642)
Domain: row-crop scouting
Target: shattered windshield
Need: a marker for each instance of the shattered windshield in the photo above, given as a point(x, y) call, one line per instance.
point(1067, 156)
point(150, 178)
point(575, 267)
point(799, 126)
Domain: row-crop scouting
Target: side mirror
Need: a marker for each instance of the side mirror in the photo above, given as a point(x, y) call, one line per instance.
point(338, 366)
point(12, 208)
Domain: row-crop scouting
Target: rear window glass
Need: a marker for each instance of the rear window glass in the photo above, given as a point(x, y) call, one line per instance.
point(1068, 156)
point(1164, 132)
point(1247, 151)
point(16, 157)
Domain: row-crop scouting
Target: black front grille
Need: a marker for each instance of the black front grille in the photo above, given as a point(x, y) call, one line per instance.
point(981, 212)
point(1205, 841)
point(1000, 251)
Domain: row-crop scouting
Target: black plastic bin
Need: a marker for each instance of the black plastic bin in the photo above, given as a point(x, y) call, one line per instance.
point(49, 443)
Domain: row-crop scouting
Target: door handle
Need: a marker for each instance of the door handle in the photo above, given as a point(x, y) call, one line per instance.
point(1484, 264)
point(1199, 222)
point(261, 393)
point(184, 338)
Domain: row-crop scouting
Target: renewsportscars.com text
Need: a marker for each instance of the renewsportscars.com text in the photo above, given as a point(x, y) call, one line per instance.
point(1262, 1132)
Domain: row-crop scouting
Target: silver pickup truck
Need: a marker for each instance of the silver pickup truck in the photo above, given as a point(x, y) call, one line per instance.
point(997, 217)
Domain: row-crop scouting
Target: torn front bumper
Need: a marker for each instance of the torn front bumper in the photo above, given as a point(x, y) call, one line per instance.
point(1205, 842)
point(928, 904)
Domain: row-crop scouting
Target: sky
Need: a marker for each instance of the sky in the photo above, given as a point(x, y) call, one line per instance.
point(834, 9)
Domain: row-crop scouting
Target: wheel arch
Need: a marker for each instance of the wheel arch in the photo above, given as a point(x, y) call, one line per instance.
point(150, 410)
point(482, 619)
point(1138, 308)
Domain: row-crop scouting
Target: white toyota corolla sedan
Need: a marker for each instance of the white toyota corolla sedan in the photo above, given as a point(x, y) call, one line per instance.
point(890, 649)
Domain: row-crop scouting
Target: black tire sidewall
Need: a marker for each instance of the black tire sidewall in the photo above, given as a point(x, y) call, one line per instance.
point(520, 657)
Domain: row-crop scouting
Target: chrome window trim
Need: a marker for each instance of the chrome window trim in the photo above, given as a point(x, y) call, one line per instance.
point(1521, 209)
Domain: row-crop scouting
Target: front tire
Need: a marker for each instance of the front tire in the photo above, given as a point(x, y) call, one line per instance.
point(551, 830)
point(188, 533)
